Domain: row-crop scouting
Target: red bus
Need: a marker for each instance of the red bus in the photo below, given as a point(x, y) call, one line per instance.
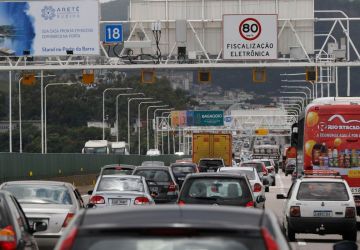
point(329, 139)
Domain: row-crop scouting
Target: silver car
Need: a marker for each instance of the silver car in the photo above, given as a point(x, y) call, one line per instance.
point(50, 202)
point(124, 190)
point(254, 179)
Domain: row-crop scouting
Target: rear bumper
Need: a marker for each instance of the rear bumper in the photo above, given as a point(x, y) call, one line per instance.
point(322, 225)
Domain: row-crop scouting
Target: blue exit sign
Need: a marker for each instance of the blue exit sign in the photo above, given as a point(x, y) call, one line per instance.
point(113, 33)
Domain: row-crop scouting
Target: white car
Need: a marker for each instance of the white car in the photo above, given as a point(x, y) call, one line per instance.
point(254, 179)
point(319, 205)
point(120, 190)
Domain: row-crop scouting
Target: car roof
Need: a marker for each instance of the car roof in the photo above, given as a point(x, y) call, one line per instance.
point(121, 176)
point(48, 183)
point(321, 179)
point(152, 167)
point(230, 169)
point(118, 165)
point(215, 174)
point(189, 216)
point(183, 163)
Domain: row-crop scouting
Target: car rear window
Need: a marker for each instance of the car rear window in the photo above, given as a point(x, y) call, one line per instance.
point(211, 163)
point(117, 170)
point(318, 191)
point(120, 184)
point(223, 188)
point(183, 169)
point(40, 193)
point(186, 242)
point(157, 175)
point(258, 166)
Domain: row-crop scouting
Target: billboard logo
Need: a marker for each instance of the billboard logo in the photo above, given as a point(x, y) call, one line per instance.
point(322, 126)
point(48, 12)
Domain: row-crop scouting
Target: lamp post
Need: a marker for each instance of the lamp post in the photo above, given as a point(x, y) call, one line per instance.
point(147, 122)
point(117, 110)
point(294, 99)
point(299, 87)
point(103, 106)
point(20, 111)
point(302, 81)
point(51, 84)
point(155, 132)
point(129, 101)
point(139, 121)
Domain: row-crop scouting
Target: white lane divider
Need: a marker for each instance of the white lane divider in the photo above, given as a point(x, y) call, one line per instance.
point(279, 180)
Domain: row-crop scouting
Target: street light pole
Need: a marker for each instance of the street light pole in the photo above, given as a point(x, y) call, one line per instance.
point(147, 122)
point(299, 87)
point(117, 110)
point(129, 101)
point(139, 122)
point(45, 113)
point(103, 106)
point(297, 92)
point(294, 99)
point(155, 132)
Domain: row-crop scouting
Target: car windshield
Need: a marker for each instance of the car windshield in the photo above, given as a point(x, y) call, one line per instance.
point(183, 169)
point(258, 166)
point(120, 184)
point(119, 151)
point(95, 150)
point(267, 163)
point(4, 218)
point(211, 163)
point(156, 175)
point(225, 188)
point(318, 191)
point(40, 193)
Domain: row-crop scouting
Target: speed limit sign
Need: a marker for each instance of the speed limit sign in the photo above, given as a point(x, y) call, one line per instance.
point(250, 37)
point(250, 29)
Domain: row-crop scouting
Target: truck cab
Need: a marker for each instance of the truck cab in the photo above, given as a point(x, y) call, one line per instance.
point(96, 147)
point(120, 148)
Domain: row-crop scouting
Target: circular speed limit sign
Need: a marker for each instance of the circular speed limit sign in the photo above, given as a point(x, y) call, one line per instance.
point(250, 29)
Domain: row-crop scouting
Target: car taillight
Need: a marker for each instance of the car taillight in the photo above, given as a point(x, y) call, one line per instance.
point(97, 199)
point(350, 212)
point(69, 239)
point(172, 187)
point(257, 187)
point(67, 220)
point(141, 201)
point(250, 204)
point(269, 240)
point(181, 203)
point(7, 238)
point(295, 211)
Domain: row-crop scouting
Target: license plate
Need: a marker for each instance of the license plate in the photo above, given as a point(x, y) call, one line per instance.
point(322, 213)
point(154, 189)
point(355, 190)
point(119, 201)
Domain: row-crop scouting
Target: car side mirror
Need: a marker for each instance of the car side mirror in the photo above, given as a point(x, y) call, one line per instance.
point(281, 196)
point(345, 244)
point(90, 192)
point(260, 199)
point(39, 226)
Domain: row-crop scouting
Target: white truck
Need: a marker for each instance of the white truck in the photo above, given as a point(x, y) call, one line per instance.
point(120, 148)
point(96, 147)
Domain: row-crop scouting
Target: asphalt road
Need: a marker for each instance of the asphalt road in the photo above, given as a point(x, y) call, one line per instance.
point(303, 241)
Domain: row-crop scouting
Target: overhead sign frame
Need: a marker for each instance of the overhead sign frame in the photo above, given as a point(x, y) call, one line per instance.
point(250, 37)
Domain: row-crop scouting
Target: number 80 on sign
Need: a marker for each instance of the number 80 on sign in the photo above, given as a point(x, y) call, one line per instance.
point(113, 33)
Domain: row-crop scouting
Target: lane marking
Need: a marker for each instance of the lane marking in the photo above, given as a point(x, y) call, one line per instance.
point(281, 183)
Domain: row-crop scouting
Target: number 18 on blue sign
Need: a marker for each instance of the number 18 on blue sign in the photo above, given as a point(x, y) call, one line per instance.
point(113, 33)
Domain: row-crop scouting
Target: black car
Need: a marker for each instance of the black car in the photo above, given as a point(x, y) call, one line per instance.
point(161, 182)
point(217, 189)
point(174, 227)
point(210, 164)
point(15, 232)
point(181, 170)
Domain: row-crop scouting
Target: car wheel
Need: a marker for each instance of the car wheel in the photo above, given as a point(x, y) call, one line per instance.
point(352, 236)
point(267, 189)
point(290, 234)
